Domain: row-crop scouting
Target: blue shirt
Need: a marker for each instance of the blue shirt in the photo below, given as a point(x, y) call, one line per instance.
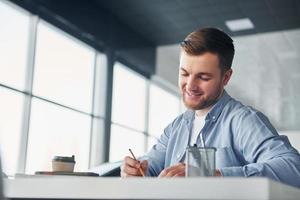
point(246, 142)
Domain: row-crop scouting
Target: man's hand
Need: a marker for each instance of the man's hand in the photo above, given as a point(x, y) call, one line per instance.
point(218, 173)
point(173, 171)
point(130, 167)
point(178, 170)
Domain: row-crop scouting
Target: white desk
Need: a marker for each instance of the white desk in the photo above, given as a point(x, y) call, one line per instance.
point(64, 187)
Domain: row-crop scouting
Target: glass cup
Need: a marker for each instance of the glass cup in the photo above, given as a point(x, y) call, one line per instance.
point(200, 161)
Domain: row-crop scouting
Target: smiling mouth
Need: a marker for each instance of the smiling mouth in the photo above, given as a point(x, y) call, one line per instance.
point(193, 94)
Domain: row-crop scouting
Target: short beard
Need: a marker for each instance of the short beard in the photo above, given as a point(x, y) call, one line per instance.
point(201, 106)
point(206, 104)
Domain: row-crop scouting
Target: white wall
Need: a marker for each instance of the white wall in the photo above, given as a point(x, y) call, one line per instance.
point(294, 138)
point(266, 74)
point(167, 63)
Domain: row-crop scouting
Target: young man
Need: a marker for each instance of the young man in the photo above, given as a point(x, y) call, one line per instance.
point(247, 144)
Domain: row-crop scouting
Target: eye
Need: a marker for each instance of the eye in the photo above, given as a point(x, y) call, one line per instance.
point(184, 74)
point(204, 78)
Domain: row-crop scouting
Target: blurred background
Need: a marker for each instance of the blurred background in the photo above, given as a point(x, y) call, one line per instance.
point(94, 78)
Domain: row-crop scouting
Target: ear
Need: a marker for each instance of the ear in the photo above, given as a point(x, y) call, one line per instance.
point(226, 76)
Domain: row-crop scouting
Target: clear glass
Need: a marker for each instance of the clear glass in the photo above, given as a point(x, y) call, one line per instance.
point(63, 68)
point(11, 112)
point(129, 98)
point(164, 107)
point(14, 37)
point(53, 131)
point(200, 161)
point(122, 139)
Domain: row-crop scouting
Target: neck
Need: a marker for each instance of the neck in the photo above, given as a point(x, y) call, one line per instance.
point(203, 112)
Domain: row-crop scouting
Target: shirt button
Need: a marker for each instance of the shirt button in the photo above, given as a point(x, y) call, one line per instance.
point(178, 156)
point(214, 117)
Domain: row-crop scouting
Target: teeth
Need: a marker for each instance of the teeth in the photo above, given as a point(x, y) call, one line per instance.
point(193, 94)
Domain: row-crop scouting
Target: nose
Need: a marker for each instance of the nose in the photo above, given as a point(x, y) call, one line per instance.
point(191, 84)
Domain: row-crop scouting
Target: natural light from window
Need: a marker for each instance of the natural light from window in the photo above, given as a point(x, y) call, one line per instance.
point(164, 108)
point(14, 36)
point(123, 139)
point(129, 98)
point(63, 68)
point(11, 111)
point(55, 130)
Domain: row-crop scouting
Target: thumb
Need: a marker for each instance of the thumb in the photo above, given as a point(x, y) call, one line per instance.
point(144, 165)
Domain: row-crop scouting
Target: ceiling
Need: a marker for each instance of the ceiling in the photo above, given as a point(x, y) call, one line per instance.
point(134, 28)
point(169, 21)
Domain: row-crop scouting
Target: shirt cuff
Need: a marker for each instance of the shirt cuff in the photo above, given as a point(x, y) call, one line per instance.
point(232, 171)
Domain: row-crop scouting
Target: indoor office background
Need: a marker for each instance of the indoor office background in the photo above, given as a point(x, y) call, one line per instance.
point(53, 99)
point(65, 93)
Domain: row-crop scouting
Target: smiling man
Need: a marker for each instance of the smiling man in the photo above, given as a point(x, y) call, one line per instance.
point(246, 142)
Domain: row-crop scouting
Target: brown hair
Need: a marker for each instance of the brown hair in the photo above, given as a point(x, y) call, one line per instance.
point(210, 40)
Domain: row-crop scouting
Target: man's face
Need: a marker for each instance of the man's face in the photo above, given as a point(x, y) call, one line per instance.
point(200, 80)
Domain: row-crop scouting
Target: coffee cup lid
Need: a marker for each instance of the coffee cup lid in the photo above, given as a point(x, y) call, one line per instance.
point(64, 158)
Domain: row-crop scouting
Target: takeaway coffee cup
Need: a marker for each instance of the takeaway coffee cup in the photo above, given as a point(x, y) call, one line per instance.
point(200, 161)
point(63, 164)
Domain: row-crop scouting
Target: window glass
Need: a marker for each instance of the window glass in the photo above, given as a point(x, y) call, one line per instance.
point(11, 108)
point(55, 130)
point(150, 142)
point(122, 139)
point(163, 109)
point(63, 68)
point(129, 93)
point(14, 37)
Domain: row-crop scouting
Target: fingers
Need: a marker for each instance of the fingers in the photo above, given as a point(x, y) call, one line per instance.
point(173, 171)
point(218, 173)
point(132, 167)
point(129, 167)
point(180, 174)
point(144, 165)
point(131, 162)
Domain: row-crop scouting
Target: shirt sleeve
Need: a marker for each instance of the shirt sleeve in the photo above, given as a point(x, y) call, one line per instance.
point(156, 156)
point(266, 153)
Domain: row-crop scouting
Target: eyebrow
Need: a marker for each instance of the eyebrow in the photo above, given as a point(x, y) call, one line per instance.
point(200, 73)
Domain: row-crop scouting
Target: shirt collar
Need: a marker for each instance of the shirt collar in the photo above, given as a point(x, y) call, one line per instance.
point(214, 112)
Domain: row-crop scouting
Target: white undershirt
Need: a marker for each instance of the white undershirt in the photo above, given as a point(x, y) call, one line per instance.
point(198, 124)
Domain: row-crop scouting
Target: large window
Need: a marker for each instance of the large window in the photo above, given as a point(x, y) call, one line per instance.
point(140, 112)
point(63, 110)
point(11, 108)
point(53, 89)
point(128, 110)
point(14, 37)
point(63, 69)
point(13, 63)
point(56, 131)
point(63, 76)
point(163, 108)
point(123, 139)
point(129, 98)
